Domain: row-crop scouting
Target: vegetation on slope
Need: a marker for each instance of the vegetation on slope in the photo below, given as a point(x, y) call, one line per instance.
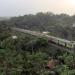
point(26, 56)
point(58, 25)
point(29, 55)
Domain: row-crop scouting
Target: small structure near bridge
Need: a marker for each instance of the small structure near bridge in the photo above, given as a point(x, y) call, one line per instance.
point(45, 32)
point(14, 37)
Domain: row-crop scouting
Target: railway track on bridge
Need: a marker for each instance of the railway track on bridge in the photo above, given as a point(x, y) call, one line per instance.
point(39, 34)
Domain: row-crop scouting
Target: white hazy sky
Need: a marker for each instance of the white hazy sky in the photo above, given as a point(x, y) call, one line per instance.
point(22, 7)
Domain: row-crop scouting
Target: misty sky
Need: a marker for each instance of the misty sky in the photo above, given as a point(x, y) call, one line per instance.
point(22, 7)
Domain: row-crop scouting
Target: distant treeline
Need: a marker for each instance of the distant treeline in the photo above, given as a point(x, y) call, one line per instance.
point(58, 25)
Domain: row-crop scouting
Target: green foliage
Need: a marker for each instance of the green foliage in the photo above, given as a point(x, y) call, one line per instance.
point(57, 25)
point(34, 64)
point(10, 62)
point(16, 57)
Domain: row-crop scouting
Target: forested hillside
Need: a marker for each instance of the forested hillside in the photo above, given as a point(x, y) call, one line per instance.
point(58, 25)
point(24, 54)
point(29, 55)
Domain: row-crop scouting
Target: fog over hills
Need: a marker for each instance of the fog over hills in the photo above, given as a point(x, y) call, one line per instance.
point(4, 18)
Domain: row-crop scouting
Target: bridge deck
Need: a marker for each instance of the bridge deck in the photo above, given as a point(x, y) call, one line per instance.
point(39, 34)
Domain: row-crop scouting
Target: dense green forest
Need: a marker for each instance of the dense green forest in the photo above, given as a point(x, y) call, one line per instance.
point(30, 55)
point(58, 25)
